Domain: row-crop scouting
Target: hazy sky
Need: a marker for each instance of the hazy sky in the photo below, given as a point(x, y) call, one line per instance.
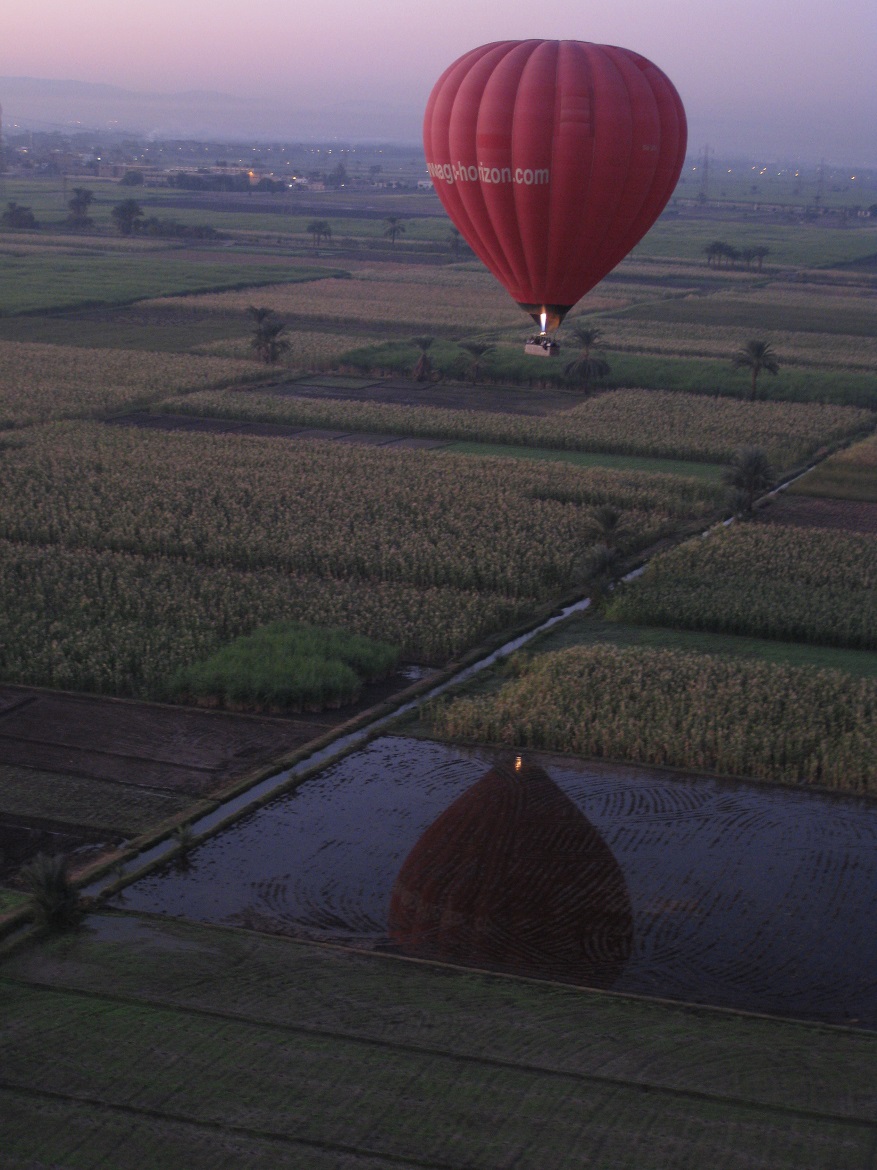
point(768, 75)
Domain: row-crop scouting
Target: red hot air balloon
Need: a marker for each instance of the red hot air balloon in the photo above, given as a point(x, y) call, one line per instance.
point(553, 159)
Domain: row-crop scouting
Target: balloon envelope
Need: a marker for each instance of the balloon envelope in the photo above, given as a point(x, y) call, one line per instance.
point(553, 159)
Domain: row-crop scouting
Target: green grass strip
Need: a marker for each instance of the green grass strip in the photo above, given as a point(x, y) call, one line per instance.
point(590, 628)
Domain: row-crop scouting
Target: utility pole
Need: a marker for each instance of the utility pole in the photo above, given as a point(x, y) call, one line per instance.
point(820, 183)
point(704, 192)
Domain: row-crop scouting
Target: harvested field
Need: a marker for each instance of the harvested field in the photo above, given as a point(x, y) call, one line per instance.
point(816, 512)
point(78, 774)
point(158, 747)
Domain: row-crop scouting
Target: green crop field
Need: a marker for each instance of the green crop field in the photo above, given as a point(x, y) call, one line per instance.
point(850, 474)
point(808, 245)
point(776, 582)
point(651, 424)
point(592, 628)
point(787, 724)
point(40, 283)
point(130, 553)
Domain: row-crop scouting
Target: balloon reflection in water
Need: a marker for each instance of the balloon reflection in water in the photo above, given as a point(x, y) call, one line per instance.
point(513, 876)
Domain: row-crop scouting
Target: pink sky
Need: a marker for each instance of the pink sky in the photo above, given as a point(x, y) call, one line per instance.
point(799, 72)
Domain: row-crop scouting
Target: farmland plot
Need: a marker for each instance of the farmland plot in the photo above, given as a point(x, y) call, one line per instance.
point(626, 422)
point(796, 584)
point(824, 350)
point(765, 720)
point(128, 554)
point(477, 303)
point(42, 382)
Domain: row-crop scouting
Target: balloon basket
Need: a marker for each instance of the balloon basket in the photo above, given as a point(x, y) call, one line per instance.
point(542, 347)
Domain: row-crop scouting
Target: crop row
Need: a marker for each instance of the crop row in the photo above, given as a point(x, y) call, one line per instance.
point(863, 454)
point(850, 474)
point(625, 422)
point(113, 623)
point(476, 303)
point(794, 584)
point(770, 309)
point(830, 350)
point(514, 527)
point(41, 382)
point(687, 710)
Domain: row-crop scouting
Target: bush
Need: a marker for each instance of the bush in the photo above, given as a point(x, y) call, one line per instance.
point(54, 900)
point(288, 665)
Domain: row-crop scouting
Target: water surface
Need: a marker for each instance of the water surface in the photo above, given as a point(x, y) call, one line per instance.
point(637, 879)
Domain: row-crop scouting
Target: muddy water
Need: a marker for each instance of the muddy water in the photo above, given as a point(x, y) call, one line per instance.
point(626, 878)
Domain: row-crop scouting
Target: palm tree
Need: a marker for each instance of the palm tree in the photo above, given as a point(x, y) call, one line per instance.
point(477, 350)
point(266, 339)
point(606, 524)
point(760, 252)
point(584, 368)
point(749, 475)
point(603, 566)
point(395, 227)
point(454, 241)
point(756, 356)
point(423, 368)
point(320, 229)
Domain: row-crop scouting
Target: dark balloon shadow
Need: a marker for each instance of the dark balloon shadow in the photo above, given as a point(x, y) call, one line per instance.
point(513, 877)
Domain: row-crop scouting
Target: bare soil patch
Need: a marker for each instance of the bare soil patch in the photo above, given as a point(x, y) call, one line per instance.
point(159, 746)
point(219, 426)
point(819, 512)
point(145, 744)
point(447, 395)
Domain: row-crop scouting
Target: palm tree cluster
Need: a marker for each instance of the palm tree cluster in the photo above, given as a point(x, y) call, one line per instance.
point(719, 253)
point(477, 351)
point(320, 229)
point(266, 340)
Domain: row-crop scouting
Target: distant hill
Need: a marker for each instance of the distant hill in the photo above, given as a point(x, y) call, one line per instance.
point(32, 103)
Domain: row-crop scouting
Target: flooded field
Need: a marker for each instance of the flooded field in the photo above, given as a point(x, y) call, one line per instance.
point(608, 876)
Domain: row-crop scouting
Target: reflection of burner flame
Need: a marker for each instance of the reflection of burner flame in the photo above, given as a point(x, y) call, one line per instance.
point(513, 876)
